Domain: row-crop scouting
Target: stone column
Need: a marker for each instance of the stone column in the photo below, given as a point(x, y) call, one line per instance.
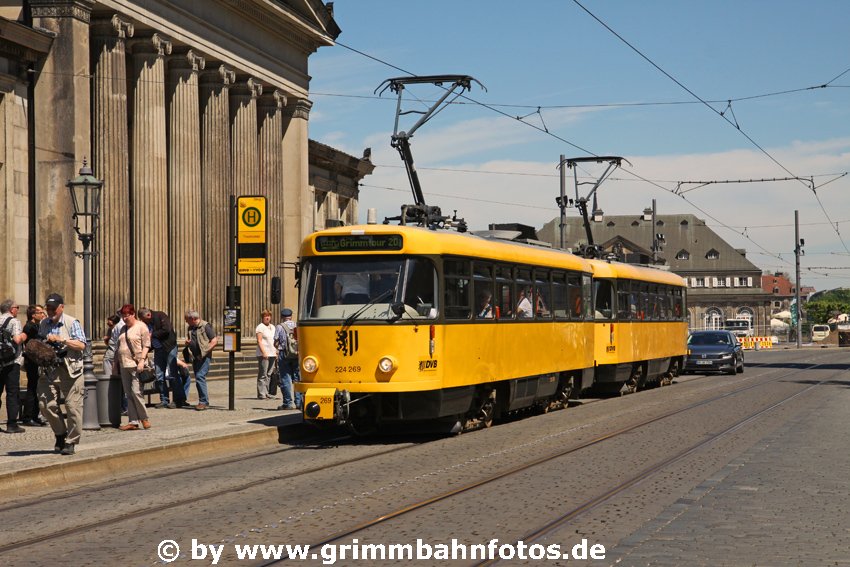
point(111, 162)
point(149, 189)
point(62, 139)
point(184, 193)
point(216, 182)
point(271, 185)
point(297, 202)
point(246, 178)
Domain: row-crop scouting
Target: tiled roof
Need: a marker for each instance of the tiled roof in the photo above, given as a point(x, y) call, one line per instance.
point(682, 233)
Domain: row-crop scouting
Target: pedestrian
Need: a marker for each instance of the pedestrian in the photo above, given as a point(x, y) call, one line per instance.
point(10, 366)
point(65, 335)
point(164, 344)
point(29, 413)
point(266, 354)
point(286, 340)
point(112, 345)
point(200, 343)
point(109, 354)
point(134, 343)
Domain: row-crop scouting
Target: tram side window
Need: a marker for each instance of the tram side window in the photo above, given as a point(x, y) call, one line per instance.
point(457, 286)
point(482, 278)
point(574, 296)
point(505, 292)
point(603, 293)
point(420, 287)
point(587, 296)
point(623, 296)
point(525, 293)
point(666, 297)
point(643, 304)
point(542, 294)
point(653, 307)
point(559, 295)
point(678, 304)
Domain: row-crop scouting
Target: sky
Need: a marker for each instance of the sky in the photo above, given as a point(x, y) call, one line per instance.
point(702, 90)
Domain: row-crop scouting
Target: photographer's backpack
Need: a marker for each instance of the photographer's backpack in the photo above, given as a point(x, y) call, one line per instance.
point(8, 348)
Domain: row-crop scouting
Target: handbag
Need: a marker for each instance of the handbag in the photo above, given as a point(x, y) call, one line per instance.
point(146, 374)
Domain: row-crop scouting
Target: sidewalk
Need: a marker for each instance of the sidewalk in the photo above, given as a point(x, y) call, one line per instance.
point(27, 460)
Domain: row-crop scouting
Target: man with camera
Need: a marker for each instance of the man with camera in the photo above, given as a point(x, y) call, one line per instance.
point(65, 335)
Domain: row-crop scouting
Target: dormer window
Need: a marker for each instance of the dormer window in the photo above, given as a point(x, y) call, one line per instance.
point(712, 254)
point(683, 255)
point(659, 223)
point(635, 223)
point(610, 223)
point(684, 223)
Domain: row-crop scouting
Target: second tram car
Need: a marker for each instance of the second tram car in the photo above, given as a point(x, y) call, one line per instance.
point(402, 325)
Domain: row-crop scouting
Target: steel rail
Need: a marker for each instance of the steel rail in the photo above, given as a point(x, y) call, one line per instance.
point(536, 462)
point(186, 501)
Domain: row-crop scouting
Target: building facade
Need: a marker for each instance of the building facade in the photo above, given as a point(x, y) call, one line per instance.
point(722, 282)
point(177, 105)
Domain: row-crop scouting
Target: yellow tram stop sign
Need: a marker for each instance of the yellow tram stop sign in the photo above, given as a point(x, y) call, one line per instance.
point(251, 242)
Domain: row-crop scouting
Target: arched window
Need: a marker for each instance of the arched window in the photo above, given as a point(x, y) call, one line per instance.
point(745, 313)
point(713, 318)
point(683, 255)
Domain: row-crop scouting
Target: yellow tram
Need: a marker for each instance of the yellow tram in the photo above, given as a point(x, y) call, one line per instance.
point(401, 324)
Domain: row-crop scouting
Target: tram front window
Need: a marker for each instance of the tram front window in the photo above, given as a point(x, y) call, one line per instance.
point(336, 288)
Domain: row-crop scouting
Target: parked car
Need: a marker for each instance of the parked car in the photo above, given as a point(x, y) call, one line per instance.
point(820, 332)
point(714, 351)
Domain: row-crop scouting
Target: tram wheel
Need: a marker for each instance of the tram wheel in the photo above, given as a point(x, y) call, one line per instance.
point(634, 382)
point(488, 411)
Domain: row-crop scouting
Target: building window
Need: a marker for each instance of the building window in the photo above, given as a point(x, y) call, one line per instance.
point(713, 318)
point(699, 282)
point(659, 223)
point(776, 290)
point(777, 304)
point(610, 223)
point(721, 282)
point(684, 223)
point(635, 223)
point(683, 255)
point(712, 254)
point(741, 282)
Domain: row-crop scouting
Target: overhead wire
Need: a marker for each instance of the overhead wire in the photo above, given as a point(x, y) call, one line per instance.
point(721, 114)
point(580, 148)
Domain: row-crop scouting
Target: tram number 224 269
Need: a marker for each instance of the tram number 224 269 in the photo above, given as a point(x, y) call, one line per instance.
point(346, 369)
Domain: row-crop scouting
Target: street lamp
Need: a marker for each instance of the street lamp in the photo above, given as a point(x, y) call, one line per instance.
point(85, 195)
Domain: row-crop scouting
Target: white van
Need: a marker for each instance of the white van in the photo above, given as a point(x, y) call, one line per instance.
point(820, 332)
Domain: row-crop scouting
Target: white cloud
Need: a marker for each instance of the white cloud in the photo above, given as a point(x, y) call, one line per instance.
point(525, 193)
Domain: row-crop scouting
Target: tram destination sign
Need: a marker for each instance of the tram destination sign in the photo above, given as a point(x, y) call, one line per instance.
point(359, 243)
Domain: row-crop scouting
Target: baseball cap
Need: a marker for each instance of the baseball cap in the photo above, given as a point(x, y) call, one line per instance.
point(54, 300)
point(286, 312)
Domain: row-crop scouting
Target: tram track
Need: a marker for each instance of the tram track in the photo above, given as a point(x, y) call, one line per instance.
point(124, 517)
point(595, 502)
point(82, 528)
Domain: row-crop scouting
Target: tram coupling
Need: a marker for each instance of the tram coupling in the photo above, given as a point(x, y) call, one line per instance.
point(327, 405)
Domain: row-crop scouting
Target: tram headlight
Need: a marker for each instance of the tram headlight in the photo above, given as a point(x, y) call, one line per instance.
point(310, 364)
point(387, 364)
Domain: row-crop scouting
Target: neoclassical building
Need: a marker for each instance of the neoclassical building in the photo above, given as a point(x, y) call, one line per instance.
point(722, 282)
point(176, 105)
